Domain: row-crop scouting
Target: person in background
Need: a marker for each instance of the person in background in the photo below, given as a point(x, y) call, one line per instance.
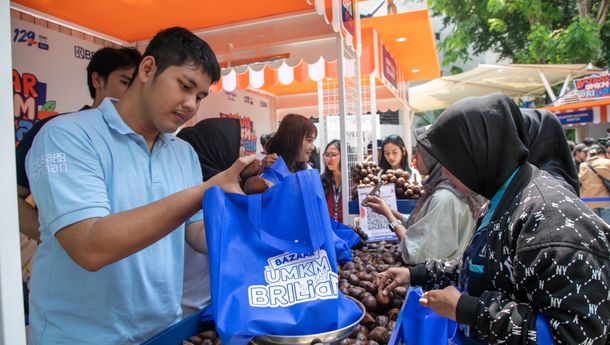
point(217, 144)
point(548, 147)
point(443, 220)
point(264, 139)
point(331, 180)
point(109, 74)
point(591, 186)
point(294, 141)
point(538, 264)
point(600, 148)
point(117, 195)
point(395, 155)
point(314, 159)
point(416, 175)
point(588, 141)
point(580, 155)
point(369, 151)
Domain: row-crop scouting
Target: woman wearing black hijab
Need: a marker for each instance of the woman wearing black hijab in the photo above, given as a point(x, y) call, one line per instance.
point(217, 142)
point(548, 147)
point(538, 264)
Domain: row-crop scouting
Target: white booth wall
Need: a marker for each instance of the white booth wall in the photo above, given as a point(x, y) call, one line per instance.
point(255, 111)
point(49, 73)
point(50, 77)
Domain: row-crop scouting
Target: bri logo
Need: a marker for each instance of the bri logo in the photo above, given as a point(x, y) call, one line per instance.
point(82, 53)
point(29, 38)
point(295, 278)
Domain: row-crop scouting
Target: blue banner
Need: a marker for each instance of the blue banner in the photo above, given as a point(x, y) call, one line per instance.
point(573, 117)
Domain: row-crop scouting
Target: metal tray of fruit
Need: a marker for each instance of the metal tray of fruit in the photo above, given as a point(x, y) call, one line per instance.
point(332, 337)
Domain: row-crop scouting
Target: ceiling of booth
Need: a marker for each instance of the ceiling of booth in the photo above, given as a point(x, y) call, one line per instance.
point(134, 20)
point(416, 56)
point(243, 30)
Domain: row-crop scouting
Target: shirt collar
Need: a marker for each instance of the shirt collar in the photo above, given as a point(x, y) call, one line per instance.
point(113, 118)
point(115, 121)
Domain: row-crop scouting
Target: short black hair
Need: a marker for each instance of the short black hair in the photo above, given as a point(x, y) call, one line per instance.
point(596, 149)
point(108, 60)
point(177, 46)
point(588, 141)
point(579, 148)
point(265, 138)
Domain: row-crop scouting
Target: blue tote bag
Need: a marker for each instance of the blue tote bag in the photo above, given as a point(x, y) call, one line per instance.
point(419, 325)
point(344, 238)
point(345, 233)
point(273, 266)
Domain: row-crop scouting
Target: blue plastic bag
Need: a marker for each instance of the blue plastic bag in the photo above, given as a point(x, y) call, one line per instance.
point(273, 267)
point(418, 325)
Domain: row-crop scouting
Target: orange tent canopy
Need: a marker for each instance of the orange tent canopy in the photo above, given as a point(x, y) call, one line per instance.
point(138, 20)
point(134, 20)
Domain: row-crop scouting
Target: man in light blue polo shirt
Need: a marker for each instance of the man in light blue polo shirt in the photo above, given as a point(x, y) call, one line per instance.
point(114, 191)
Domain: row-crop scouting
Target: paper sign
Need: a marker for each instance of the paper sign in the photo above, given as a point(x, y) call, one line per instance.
point(376, 226)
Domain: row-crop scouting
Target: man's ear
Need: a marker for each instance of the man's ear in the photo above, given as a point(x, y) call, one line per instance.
point(97, 80)
point(147, 68)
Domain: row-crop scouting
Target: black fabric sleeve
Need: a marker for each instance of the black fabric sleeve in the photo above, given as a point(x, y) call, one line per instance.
point(436, 274)
point(570, 288)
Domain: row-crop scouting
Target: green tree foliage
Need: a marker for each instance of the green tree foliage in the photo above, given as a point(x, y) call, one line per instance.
point(526, 31)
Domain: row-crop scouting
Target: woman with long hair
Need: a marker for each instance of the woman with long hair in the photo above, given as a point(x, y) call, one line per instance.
point(294, 141)
point(331, 180)
point(394, 154)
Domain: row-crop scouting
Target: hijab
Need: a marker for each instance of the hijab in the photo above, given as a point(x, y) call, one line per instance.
point(480, 140)
point(548, 147)
point(435, 181)
point(216, 141)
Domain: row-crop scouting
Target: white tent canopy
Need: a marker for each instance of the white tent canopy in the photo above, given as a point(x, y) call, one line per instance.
point(512, 80)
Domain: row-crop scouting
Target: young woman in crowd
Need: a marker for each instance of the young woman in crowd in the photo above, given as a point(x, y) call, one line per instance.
point(217, 142)
point(538, 264)
point(394, 154)
point(442, 222)
point(594, 168)
point(293, 141)
point(331, 180)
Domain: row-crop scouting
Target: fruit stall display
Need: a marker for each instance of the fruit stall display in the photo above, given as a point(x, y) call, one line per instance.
point(369, 174)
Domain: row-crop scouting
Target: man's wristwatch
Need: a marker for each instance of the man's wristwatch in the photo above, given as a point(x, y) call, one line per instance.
point(394, 224)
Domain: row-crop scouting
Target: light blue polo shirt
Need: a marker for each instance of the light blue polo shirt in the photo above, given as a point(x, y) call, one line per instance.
point(91, 164)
